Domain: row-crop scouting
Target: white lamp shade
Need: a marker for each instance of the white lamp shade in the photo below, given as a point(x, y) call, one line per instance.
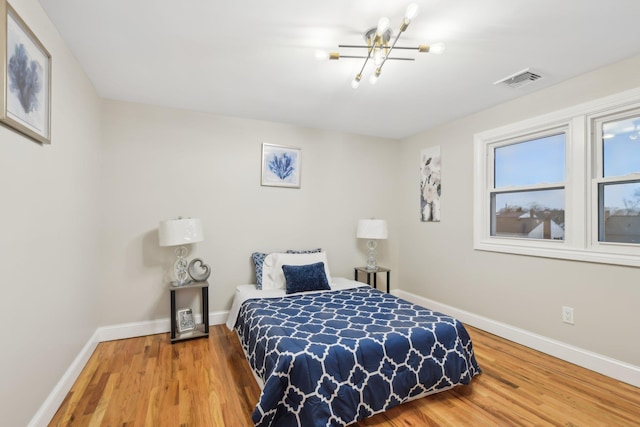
point(180, 231)
point(372, 229)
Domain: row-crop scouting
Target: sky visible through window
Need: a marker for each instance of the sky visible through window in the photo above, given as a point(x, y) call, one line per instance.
point(622, 196)
point(542, 161)
point(539, 161)
point(621, 155)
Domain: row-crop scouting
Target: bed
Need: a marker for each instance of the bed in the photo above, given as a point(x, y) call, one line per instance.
point(334, 356)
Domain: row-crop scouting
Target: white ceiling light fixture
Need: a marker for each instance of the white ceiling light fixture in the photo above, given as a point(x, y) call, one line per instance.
point(379, 49)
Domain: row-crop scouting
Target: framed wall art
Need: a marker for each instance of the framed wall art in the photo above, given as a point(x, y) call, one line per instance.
point(430, 184)
point(281, 166)
point(26, 67)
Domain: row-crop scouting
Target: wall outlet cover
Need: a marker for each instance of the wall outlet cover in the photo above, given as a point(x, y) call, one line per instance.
point(567, 315)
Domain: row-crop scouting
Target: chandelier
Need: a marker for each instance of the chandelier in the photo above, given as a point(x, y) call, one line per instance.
point(379, 49)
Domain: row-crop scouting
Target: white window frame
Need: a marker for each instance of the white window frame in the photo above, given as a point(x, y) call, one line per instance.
point(596, 122)
point(491, 161)
point(581, 183)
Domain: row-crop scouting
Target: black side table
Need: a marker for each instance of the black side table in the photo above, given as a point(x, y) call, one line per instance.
point(202, 329)
point(369, 273)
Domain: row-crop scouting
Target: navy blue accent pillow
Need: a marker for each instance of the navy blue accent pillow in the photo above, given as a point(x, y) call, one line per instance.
point(258, 261)
point(303, 278)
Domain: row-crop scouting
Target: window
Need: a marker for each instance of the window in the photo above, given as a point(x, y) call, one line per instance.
point(618, 178)
point(564, 185)
point(527, 199)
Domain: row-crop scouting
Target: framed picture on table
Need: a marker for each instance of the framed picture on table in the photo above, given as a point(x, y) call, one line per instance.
point(185, 320)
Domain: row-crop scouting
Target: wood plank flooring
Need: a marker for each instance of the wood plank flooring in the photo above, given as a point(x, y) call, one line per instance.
point(147, 381)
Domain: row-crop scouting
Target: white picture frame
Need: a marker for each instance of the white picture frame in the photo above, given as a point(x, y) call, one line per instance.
point(25, 104)
point(185, 320)
point(281, 166)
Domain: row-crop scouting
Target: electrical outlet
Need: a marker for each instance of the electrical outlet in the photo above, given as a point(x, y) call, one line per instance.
point(567, 315)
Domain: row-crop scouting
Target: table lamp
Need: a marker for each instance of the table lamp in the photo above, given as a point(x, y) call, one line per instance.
point(180, 232)
point(372, 229)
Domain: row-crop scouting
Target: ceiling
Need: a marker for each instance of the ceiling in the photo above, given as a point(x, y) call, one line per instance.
point(257, 59)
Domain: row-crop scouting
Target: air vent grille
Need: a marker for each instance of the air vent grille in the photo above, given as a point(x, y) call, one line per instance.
point(519, 79)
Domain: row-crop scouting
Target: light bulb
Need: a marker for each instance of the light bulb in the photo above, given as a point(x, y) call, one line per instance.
point(356, 82)
point(383, 25)
point(374, 78)
point(321, 54)
point(412, 11)
point(377, 57)
point(437, 48)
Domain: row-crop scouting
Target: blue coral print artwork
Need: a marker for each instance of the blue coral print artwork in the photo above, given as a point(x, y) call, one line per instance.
point(280, 166)
point(27, 79)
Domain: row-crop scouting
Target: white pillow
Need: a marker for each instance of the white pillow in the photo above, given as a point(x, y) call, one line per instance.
point(272, 274)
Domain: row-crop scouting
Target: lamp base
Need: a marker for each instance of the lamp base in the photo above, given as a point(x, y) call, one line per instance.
point(180, 268)
point(372, 264)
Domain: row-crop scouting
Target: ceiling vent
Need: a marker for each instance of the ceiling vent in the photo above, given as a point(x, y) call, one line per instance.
point(519, 79)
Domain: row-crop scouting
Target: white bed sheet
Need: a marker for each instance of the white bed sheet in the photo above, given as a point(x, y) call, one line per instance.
point(245, 292)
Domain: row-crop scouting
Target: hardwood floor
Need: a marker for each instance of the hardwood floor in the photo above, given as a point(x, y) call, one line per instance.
point(147, 381)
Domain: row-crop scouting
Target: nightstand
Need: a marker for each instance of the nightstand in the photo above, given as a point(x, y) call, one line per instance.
point(373, 273)
point(202, 329)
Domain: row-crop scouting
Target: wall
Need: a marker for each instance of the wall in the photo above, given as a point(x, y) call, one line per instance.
point(161, 163)
point(48, 251)
point(438, 260)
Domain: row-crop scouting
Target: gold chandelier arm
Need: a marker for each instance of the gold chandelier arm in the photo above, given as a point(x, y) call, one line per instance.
point(359, 76)
point(420, 48)
point(361, 46)
point(337, 56)
point(404, 26)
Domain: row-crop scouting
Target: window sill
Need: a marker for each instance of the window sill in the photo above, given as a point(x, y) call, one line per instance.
point(554, 250)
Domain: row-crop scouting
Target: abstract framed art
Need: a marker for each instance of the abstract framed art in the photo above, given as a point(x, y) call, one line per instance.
point(281, 166)
point(26, 67)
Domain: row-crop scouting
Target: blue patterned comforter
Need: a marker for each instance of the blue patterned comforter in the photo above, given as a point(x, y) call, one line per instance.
point(332, 358)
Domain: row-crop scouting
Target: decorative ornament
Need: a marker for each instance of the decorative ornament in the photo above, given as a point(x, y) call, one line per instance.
point(199, 272)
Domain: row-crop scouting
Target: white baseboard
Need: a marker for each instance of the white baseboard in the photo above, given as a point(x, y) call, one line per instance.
point(59, 392)
point(105, 333)
point(613, 368)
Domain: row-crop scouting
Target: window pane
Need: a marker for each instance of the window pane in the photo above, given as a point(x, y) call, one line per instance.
point(537, 161)
point(529, 214)
point(620, 212)
point(621, 147)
